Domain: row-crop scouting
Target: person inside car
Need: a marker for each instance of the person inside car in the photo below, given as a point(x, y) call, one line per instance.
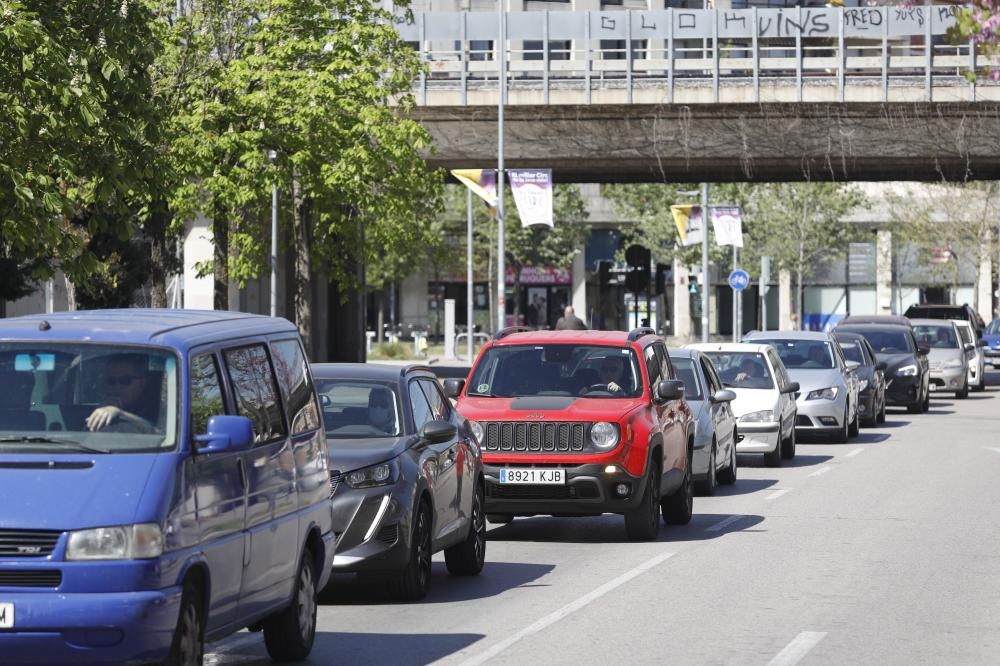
point(611, 374)
point(749, 369)
point(126, 383)
point(380, 415)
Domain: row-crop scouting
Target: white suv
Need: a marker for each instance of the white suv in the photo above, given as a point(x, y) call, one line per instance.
point(765, 398)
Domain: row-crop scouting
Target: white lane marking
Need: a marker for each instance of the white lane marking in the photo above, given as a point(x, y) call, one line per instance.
point(992, 448)
point(778, 493)
point(821, 470)
point(724, 523)
point(855, 452)
point(566, 610)
point(797, 649)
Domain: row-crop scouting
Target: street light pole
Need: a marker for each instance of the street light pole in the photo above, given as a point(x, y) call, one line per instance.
point(502, 89)
point(704, 262)
point(272, 155)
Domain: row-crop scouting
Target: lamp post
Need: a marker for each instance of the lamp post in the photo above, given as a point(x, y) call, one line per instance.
point(704, 255)
point(272, 155)
point(502, 89)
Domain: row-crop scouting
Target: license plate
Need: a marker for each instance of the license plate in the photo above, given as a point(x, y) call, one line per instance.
point(6, 616)
point(554, 477)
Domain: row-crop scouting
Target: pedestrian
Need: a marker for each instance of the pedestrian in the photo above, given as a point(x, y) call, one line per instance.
point(570, 322)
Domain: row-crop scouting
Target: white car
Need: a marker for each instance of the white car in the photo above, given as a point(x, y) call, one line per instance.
point(976, 355)
point(765, 398)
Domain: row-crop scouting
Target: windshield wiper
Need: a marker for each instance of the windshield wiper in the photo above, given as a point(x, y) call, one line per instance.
point(39, 439)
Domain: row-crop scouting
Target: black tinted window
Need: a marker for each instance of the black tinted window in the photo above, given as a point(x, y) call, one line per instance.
point(255, 391)
point(440, 408)
point(652, 365)
point(421, 410)
point(296, 388)
point(742, 369)
point(894, 340)
point(687, 372)
point(804, 354)
point(206, 392)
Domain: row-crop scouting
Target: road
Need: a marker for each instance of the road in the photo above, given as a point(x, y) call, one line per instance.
point(885, 550)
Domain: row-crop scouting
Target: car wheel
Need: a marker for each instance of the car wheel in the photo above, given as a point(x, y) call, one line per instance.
point(981, 384)
point(842, 435)
point(413, 582)
point(289, 634)
point(642, 523)
point(467, 558)
point(188, 646)
point(728, 475)
point(500, 518)
point(773, 458)
point(964, 393)
point(707, 487)
point(788, 446)
point(881, 411)
point(926, 407)
point(855, 427)
point(678, 508)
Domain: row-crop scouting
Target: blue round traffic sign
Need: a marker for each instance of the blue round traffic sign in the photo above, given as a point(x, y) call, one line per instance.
point(739, 279)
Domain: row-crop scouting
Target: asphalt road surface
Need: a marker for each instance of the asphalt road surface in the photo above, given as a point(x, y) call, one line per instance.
point(885, 550)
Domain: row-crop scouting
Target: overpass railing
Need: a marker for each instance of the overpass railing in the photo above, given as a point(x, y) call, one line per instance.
point(801, 54)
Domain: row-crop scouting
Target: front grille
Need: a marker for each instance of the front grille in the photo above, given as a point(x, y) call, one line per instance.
point(28, 578)
point(576, 491)
point(334, 481)
point(28, 543)
point(388, 534)
point(531, 437)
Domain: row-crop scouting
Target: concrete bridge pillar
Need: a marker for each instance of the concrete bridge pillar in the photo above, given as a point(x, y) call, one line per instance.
point(785, 300)
point(883, 272)
point(682, 303)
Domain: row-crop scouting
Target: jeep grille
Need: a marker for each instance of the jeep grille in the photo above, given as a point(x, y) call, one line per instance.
point(531, 437)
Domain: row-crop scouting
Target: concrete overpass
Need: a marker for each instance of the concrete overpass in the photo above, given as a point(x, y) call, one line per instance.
point(872, 93)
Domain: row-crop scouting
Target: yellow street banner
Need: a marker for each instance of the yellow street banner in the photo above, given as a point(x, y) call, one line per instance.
point(688, 219)
point(681, 215)
point(482, 182)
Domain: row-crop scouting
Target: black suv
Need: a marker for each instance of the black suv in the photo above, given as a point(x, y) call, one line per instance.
point(945, 311)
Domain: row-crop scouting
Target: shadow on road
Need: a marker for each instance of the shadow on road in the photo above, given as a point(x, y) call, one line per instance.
point(744, 486)
point(496, 578)
point(800, 460)
point(869, 438)
point(893, 423)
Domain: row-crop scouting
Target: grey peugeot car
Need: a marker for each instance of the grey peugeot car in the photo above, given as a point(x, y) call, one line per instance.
point(406, 475)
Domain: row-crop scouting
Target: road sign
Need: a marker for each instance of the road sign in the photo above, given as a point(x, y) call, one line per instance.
point(739, 279)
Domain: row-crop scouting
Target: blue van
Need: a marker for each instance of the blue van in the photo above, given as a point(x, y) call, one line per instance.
point(163, 483)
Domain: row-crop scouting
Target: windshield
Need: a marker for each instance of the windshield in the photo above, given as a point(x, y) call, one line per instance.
point(686, 372)
point(65, 397)
point(559, 369)
point(852, 352)
point(742, 369)
point(994, 327)
point(936, 337)
point(359, 410)
point(802, 354)
point(885, 341)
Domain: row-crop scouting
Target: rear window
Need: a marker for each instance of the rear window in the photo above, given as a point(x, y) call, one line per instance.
point(936, 337)
point(742, 369)
point(886, 340)
point(801, 354)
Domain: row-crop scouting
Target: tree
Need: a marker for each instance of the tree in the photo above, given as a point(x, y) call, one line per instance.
point(979, 21)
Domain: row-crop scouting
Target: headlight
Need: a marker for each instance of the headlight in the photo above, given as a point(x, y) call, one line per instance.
point(765, 416)
point(477, 431)
point(829, 393)
point(863, 384)
point(369, 477)
point(604, 435)
point(125, 542)
point(954, 363)
point(907, 371)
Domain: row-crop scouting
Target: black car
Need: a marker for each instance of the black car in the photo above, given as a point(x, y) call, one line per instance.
point(947, 311)
point(406, 475)
point(871, 374)
point(907, 372)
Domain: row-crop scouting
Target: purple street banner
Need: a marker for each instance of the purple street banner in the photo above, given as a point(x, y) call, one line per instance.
point(533, 195)
point(727, 223)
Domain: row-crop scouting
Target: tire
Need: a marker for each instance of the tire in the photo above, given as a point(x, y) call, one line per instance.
point(843, 434)
point(981, 385)
point(926, 407)
point(872, 421)
point(500, 518)
point(414, 581)
point(773, 458)
point(788, 446)
point(915, 408)
point(881, 412)
point(289, 634)
point(678, 508)
point(964, 393)
point(188, 645)
point(707, 487)
point(728, 475)
point(467, 558)
point(854, 429)
point(642, 523)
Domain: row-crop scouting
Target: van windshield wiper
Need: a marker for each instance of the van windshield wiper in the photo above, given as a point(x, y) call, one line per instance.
point(39, 439)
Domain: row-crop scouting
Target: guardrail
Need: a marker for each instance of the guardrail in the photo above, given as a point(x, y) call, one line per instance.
point(749, 55)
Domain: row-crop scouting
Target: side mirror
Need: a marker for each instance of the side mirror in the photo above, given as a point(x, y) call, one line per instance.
point(923, 351)
point(969, 346)
point(882, 365)
point(793, 387)
point(852, 366)
point(437, 432)
point(453, 388)
point(724, 395)
point(669, 389)
point(225, 433)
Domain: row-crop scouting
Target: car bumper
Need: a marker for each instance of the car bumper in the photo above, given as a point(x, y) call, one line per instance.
point(756, 437)
point(952, 379)
point(59, 628)
point(373, 528)
point(820, 415)
point(992, 356)
point(903, 391)
point(589, 490)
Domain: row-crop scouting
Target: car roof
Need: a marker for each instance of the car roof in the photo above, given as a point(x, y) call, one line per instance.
point(618, 338)
point(368, 371)
point(683, 352)
point(176, 328)
point(874, 319)
point(939, 306)
point(932, 322)
point(874, 326)
point(961, 322)
point(728, 347)
point(787, 335)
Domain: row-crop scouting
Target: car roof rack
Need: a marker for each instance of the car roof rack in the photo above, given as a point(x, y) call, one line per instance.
point(637, 333)
point(414, 368)
point(504, 332)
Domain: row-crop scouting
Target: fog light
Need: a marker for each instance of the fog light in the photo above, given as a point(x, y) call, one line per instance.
point(611, 469)
point(622, 489)
point(828, 420)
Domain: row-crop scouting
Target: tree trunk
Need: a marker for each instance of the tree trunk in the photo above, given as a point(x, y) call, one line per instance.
point(157, 231)
point(220, 239)
point(380, 333)
point(300, 223)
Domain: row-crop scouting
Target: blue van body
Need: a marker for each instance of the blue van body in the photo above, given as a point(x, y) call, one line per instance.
point(235, 522)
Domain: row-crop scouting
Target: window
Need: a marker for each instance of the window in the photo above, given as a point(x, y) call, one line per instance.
point(421, 410)
point(256, 391)
point(439, 406)
point(296, 388)
point(666, 367)
point(715, 383)
point(480, 49)
point(558, 49)
point(802, 354)
point(742, 369)
point(652, 366)
point(355, 410)
point(614, 49)
point(206, 392)
point(687, 373)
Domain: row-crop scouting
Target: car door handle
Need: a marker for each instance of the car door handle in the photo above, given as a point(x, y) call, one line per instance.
point(452, 454)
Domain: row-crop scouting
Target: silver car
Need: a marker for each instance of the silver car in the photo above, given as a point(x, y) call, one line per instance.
point(829, 387)
point(714, 457)
point(947, 357)
point(975, 353)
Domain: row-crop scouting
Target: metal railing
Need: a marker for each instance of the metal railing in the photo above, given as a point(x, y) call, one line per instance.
point(697, 56)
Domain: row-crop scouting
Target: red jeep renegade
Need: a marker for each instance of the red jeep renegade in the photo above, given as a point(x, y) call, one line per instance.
point(578, 423)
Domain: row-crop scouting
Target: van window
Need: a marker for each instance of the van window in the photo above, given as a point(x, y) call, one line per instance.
point(296, 387)
point(206, 393)
point(255, 391)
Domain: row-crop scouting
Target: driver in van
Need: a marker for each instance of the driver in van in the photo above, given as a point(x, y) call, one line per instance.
point(126, 383)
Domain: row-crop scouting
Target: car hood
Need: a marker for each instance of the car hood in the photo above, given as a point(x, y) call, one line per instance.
point(992, 340)
point(546, 408)
point(347, 455)
point(810, 380)
point(65, 492)
point(753, 400)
